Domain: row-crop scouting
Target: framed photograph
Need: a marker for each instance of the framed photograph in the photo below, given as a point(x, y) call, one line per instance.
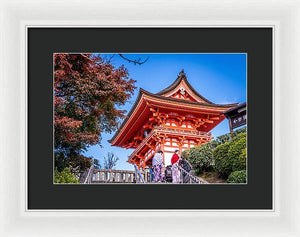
point(154, 140)
point(162, 138)
point(152, 122)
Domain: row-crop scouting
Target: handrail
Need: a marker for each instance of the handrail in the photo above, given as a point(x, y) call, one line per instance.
point(192, 177)
point(113, 176)
point(139, 177)
point(109, 170)
point(88, 178)
point(138, 173)
point(180, 131)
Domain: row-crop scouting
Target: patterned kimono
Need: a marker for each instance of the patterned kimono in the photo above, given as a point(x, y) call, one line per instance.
point(157, 164)
point(158, 173)
point(175, 173)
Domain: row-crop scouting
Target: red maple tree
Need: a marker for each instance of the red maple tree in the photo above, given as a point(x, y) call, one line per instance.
point(87, 92)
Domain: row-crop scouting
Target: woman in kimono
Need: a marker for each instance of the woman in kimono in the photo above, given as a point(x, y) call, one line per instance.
point(175, 167)
point(158, 165)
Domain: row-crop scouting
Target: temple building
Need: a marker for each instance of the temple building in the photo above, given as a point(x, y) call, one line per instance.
point(177, 117)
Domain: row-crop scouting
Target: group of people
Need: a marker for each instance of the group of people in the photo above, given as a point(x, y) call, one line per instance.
point(159, 167)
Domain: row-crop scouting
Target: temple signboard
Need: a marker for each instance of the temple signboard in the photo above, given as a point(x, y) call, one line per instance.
point(237, 116)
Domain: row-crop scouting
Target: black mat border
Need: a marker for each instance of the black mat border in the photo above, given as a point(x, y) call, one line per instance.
point(43, 42)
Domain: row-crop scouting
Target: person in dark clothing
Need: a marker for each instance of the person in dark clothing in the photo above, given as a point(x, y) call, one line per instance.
point(168, 174)
point(151, 173)
point(186, 165)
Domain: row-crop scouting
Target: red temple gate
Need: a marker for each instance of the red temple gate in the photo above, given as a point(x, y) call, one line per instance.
point(176, 118)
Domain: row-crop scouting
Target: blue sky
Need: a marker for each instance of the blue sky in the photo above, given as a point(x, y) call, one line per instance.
point(221, 78)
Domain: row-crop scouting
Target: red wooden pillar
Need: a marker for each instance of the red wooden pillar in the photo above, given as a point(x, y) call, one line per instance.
point(180, 144)
point(162, 146)
point(180, 149)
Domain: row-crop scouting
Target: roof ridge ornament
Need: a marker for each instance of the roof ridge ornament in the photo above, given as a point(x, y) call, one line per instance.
point(182, 74)
point(183, 78)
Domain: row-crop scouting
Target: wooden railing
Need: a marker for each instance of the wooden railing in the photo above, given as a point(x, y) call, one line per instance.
point(118, 176)
point(182, 132)
point(129, 176)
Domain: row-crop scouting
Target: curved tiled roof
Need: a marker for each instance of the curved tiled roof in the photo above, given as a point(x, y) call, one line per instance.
point(142, 91)
point(185, 101)
point(182, 77)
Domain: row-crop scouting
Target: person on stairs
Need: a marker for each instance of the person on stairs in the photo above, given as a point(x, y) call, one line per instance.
point(158, 165)
point(175, 167)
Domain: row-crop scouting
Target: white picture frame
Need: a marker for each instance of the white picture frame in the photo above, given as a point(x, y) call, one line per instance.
point(17, 220)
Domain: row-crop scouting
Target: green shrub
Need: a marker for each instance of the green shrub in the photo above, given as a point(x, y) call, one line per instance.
point(237, 177)
point(228, 137)
point(65, 176)
point(237, 153)
point(221, 162)
point(240, 163)
point(224, 155)
point(201, 158)
point(231, 156)
point(185, 154)
point(239, 136)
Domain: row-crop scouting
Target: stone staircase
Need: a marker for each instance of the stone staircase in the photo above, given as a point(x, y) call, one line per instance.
point(94, 176)
point(114, 176)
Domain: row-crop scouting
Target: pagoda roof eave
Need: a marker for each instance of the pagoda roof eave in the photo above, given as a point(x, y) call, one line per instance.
point(235, 108)
point(127, 116)
point(166, 99)
point(187, 101)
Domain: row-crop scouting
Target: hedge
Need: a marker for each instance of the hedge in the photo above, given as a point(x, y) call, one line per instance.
point(240, 162)
point(235, 151)
point(221, 163)
point(201, 158)
point(223, 157)
point(237, 177)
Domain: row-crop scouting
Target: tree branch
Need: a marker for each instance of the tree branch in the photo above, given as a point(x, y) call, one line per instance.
point(138, 61)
